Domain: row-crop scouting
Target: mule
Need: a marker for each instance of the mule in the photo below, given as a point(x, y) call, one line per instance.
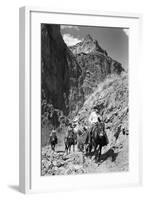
point(99, 138)
point(69, 141)
point(53, 141)
point(96, 137)
point(80, 133)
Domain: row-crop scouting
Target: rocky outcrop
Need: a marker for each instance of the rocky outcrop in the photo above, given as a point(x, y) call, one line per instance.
point(87, 46)
point(61, 164)
point(95, 64)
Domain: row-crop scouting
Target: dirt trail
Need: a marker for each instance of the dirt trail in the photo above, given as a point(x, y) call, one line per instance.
point(113, 159)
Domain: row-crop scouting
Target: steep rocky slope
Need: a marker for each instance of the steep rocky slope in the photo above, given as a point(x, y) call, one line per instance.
point(111, 100)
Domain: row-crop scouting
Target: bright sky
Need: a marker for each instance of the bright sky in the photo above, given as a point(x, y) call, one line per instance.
point(113, 40)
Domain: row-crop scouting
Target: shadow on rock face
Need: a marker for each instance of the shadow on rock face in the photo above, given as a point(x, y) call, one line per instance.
point(89, 154)
point(62, 152)
point(109, 154)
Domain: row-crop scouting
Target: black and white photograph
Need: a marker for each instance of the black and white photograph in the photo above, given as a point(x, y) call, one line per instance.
point(84, 99)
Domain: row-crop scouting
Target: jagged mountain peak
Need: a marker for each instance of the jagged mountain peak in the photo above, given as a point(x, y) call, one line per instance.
point(88, 45)
point(88, 37)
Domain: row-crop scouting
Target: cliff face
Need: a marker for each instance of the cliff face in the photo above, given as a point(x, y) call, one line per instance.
point(60, 70)
point(95, 64)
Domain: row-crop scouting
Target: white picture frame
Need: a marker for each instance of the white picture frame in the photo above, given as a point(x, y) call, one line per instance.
point(29, 143)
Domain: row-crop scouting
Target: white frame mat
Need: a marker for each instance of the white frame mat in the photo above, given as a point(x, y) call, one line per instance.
point(30, 178)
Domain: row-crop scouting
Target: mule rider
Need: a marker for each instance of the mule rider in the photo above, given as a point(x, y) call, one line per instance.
point(101, 129)
point(53, 139)
point(98, 124)
point(70, 139)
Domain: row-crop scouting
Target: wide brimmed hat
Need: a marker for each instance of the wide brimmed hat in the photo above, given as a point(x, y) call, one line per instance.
point(95, 108)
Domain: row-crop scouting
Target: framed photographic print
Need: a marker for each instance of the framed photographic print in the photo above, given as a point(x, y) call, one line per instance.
point(79, 111)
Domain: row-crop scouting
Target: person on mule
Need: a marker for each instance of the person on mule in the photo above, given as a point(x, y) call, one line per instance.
point(98, 136)
point(70, 139)
point(102, 132)
point(53, 139)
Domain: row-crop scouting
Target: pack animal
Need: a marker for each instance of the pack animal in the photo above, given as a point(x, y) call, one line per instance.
point(53, 140)
point(97, 138)
point(70, 140)
point(79, 132)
